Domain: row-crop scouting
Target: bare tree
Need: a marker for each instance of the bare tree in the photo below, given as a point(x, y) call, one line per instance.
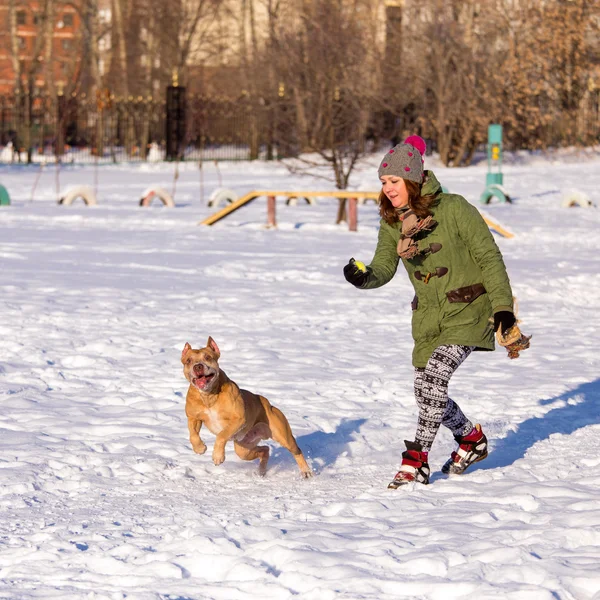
point(186, 32)
point(326, 67)
point(473, 63)
point(121, 11)
point(28, 62)
point(26, 69)
point(445, 75)
point(92, 36)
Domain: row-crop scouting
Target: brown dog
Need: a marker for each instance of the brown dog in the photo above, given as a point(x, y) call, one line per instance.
point(232, 413)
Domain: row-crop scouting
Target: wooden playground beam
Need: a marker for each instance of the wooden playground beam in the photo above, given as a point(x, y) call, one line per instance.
point(272, 194)
point(353, 196)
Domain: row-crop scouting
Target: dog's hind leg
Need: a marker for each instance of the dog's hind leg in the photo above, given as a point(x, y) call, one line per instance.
point(282, 434)
point(253, 452)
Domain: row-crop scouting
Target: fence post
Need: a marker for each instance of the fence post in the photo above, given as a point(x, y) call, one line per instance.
point(175, 121)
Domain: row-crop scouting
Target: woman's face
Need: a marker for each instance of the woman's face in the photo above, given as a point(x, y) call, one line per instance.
point(395, 189)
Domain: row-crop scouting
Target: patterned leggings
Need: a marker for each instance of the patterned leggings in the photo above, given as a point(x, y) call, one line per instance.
point(431, 393)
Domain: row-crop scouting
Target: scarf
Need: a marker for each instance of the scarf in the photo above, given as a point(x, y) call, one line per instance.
point(411, 226)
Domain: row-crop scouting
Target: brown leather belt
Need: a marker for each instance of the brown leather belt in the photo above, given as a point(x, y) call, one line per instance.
point(466, 294)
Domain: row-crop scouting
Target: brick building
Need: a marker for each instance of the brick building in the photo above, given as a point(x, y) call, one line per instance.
point(59, 57)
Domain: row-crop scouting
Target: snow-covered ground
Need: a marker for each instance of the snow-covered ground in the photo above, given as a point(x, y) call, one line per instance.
point(101, 495)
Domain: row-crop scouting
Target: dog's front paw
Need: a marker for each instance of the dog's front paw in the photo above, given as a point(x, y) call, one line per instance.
point(199, 448)
point(218, 458)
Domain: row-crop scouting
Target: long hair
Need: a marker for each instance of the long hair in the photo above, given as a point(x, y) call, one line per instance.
point(419, 204)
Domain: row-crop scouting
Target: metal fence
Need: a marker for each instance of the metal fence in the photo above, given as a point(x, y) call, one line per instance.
point(79, 128)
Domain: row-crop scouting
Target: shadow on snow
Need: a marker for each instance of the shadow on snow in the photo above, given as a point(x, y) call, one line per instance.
point(564, 419)
point(325, 448)
point(320, 447)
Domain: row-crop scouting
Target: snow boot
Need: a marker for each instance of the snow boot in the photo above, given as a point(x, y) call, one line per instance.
point(414, 466)
point(471, 449)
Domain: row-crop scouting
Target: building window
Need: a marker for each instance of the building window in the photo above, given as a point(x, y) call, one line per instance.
point(68, 20)
point(66, 44)
point(22, 43)
point(21, 17)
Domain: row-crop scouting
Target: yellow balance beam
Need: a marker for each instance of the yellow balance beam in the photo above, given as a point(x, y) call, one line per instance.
point(497, 228)
point(249, 197)
point(221, 214)
point(258, 193)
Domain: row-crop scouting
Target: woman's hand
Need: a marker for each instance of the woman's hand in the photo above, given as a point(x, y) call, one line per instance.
point(356, 273)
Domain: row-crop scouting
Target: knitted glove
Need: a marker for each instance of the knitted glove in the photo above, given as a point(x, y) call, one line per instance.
point(513, 340)
point(504, 319)
point(356, 273)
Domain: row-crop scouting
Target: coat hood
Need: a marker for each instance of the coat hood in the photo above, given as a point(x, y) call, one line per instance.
point(431, 186)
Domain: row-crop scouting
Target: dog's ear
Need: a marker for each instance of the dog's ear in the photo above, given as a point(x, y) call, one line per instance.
point(184, 352)
point(213, 346)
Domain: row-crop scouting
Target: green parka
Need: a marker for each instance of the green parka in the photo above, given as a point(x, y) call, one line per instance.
point(470, 255)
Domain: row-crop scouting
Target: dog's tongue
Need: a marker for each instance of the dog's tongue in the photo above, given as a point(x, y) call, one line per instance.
point(202, 381)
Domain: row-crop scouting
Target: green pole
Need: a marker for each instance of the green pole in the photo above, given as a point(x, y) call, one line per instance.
point(494, 151)
point(493, 178)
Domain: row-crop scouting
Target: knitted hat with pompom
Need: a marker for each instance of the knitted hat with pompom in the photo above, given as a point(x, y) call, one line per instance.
point(405, 160)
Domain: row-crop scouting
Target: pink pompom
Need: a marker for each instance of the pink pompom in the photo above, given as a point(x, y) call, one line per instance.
point(418, 142)
point(407, 169)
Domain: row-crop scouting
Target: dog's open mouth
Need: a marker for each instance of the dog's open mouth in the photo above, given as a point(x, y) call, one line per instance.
point(202, 376)
point(202, 382)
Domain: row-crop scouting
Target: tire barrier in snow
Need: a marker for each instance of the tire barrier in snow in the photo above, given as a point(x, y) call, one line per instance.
point(157, 192)
point(222, 196)
point(81, 191)
point(4, 197)
point(494, 190)
point(293, 200)
point(575, 198)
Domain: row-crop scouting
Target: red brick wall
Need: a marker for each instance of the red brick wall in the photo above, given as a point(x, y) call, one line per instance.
point(65, 45)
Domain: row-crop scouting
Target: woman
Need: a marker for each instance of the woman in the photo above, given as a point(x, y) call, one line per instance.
point(460, 281)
